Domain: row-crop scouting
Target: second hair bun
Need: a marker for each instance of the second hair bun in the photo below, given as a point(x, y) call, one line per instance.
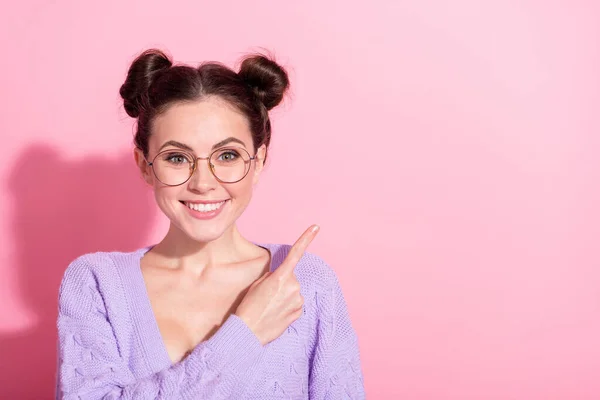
point(268, 79)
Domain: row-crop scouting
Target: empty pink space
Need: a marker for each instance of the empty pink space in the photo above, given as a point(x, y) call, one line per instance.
point(449, 151)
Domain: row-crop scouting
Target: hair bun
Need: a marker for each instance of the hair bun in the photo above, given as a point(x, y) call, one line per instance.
point(268, 80)
point(142, 73)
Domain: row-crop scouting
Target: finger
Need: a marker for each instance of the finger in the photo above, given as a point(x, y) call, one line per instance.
point(299, 303)
point(262, 278)
point(295, 315)
point(296, 252)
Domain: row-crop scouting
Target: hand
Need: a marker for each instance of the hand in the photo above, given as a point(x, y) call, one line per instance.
point(273, 301)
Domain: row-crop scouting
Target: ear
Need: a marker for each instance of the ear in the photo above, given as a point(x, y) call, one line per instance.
point(145, 169)
point(259, 163)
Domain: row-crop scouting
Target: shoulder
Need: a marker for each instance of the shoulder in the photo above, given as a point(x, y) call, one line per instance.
point(311, 270)
point(87, 264)
point(91, 272)
point(90, 265)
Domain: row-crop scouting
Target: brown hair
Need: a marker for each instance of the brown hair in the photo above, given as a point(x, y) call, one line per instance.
point(153, 83)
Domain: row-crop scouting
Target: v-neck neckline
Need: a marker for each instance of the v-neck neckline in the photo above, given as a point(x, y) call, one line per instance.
point(148, 331)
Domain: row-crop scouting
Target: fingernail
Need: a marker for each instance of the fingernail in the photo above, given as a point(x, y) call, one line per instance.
point(316, 228)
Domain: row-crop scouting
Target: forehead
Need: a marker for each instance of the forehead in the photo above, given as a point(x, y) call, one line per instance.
point(200, 124)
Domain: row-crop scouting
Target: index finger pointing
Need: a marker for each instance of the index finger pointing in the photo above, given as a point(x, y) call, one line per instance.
point(297, 251)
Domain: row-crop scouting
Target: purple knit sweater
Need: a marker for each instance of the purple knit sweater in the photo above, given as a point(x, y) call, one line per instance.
point(110, 346)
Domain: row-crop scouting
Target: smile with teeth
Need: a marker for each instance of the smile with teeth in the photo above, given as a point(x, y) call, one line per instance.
point(202, 207)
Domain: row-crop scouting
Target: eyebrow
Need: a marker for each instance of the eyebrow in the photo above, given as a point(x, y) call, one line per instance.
point(227, 141)
point(175, 143)
point(184, 146)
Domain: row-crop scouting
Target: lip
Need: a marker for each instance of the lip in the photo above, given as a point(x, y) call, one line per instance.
point(205, 215)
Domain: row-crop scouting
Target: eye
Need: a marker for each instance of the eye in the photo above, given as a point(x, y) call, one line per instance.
point(228, 156)
point(176, 158)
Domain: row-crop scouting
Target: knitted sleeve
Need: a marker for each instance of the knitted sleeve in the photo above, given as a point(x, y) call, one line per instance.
point(335, 371)
point(91, 367)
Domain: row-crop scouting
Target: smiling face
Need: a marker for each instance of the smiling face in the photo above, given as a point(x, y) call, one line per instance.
point(204, 207)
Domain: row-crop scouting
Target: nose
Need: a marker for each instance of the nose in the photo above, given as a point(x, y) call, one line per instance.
point(202, 179)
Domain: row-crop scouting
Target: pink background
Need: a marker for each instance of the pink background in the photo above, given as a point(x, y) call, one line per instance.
point(448, 149)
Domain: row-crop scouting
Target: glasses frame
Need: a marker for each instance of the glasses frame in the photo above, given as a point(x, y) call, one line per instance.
point(194, 166)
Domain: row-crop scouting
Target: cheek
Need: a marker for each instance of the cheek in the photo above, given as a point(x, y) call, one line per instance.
point(165, 195)
point(241, 191)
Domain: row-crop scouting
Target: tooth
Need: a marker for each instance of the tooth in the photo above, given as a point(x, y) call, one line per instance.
point(205, 207)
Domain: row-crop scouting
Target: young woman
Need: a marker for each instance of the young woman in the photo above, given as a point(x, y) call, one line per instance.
point(205, 313)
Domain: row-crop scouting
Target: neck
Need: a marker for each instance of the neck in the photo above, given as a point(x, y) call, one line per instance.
point(178, 250)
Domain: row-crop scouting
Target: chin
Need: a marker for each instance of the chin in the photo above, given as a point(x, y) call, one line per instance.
point(203, 237)
point(205, 234)
point(201, 231)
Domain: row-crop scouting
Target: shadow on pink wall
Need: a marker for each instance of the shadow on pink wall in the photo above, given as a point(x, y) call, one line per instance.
point(63, 209)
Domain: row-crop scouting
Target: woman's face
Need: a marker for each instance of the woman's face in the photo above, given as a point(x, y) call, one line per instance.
point(203, 207)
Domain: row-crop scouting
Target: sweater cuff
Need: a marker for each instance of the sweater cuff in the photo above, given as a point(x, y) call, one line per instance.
point(231, 353)
point(229, 357)
point(237, 345)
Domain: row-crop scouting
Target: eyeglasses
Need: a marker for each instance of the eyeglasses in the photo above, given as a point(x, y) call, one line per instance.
point(176, 167)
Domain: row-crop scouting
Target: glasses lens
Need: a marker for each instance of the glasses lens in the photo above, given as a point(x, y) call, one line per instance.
point(173, 167)
point(230, 164)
